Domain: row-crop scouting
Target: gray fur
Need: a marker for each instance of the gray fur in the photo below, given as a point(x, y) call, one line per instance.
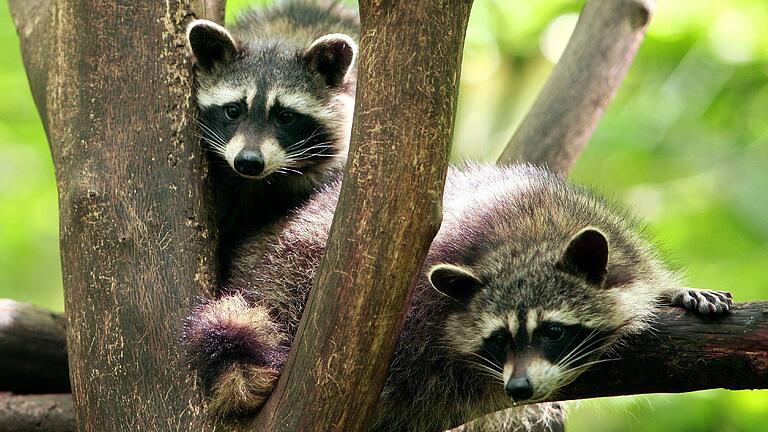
point(509, 226)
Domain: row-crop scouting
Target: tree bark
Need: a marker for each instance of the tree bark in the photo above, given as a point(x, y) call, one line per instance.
point(388, 212)
point(33, 349)
point(593, 65)
point(685, 352)
point(113, 84)
point(39, 413)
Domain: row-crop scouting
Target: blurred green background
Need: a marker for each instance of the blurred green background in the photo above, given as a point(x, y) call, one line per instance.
point(685, 144)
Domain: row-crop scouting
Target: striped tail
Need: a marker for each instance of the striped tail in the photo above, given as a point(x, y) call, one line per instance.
point(237, 351)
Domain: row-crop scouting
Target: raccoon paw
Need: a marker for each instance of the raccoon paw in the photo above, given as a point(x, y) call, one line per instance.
point(704, 302)
point(242, 389)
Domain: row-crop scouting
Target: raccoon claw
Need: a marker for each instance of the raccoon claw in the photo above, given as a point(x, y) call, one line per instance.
point(703, 302)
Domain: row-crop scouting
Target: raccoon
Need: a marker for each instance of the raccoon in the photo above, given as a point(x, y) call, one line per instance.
point(276, 95)
point(528, 281)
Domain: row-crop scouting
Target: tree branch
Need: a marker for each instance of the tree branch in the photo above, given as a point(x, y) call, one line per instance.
point(581, 86)
point(39, 413)
point(113, 85)
point(33, 349)
point(406, 100)
point(684, 352)
point(587, 76)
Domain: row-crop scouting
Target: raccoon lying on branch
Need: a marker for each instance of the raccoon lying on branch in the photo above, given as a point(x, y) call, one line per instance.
point(276, 96)
point(527, 282)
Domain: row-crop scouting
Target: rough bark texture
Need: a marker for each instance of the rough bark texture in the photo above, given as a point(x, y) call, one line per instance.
point(586, 78)
point(406, 99)
point(39, 413)
point(33, 349)
point(113, 85)
point(685, 352)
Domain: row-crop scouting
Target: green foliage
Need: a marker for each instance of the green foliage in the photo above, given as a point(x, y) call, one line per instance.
point(685, 145)
point(29, 251)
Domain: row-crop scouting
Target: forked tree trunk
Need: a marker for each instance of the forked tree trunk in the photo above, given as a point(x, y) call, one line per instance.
point(113, 85)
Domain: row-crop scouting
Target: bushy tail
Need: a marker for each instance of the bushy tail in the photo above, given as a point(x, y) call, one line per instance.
point(237, 351)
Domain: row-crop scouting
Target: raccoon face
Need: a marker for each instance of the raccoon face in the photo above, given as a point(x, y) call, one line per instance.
point(537, 330)
point(266, 107)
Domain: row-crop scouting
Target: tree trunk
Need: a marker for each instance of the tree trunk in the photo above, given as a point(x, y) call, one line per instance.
point(113, 85)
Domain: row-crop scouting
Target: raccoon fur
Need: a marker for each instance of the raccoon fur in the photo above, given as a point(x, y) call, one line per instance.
point(528, 281)
point(276, 95)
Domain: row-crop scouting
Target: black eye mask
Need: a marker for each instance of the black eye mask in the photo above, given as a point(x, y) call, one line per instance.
point(569, 345)
point(303, 136)
point(573, 346)
point(496, 346)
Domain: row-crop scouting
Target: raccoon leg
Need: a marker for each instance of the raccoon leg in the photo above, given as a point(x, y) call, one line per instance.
point(704, 302)
point(237, 351)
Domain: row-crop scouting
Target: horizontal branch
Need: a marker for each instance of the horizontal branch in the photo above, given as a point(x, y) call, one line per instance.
point(38, 413)
point(581, 86)
point(685, 352)
point(33, 349)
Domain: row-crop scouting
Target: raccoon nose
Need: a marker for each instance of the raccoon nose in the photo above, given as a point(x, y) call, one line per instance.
point(249, 162)
point(519, 389)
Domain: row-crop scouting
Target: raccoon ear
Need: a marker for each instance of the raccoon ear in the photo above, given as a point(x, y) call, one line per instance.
point(210, 43)
point(458, 283)
point(331, 56)
point(586, 256)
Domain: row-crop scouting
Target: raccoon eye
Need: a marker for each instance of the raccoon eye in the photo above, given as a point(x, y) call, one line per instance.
point(495, 346)
point(233, 112)
point(498, 341)
point(286, 117)
point(554, 332)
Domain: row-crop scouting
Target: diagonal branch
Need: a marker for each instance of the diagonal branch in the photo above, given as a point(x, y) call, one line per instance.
point(564, 116)
point(593, 65)
point(388, 213)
